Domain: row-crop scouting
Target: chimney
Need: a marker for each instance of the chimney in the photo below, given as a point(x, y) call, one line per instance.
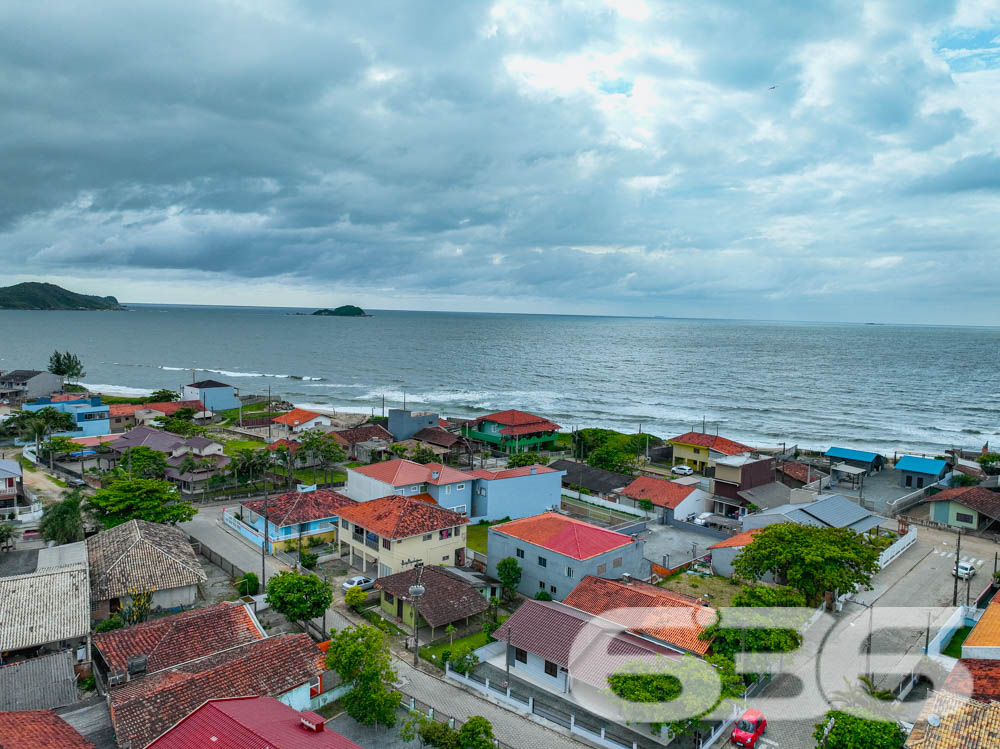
point(312, 721)
point(137, 665)
point(627, 578)
point(534, 470)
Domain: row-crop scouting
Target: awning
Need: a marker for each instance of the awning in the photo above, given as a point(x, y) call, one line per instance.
point(844, 468)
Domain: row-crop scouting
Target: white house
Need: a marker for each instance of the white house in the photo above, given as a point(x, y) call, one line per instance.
point(299, 420)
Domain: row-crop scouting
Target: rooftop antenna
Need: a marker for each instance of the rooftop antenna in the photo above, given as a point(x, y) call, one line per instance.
point(404, 400)
point(702, 424)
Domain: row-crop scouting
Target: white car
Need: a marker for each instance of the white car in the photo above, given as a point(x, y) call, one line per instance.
point(682, 470)
point(963, 570)
point(358, 581)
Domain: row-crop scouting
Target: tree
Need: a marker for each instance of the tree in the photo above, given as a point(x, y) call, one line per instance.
point(154, 500)
point(423, 455)
point(62, 522)
point(543, 595)
point(355, 597)
point(476, 733)
point(58, 445)
point(164, 396)
point(526, 459)
point(963, 479)
point(188, 463)
point(37, 425)
point(284, 457)
point(849, 731)
point(248, 585)
point(645, 504)
point(6, 533)
point(764, 639)
point(812, 560)
point(509, 572)
point(612, 459)
point(450, 631)
point(143, 463)
point(66, 365)
point(178, 426)
point(299, 597)
point(361, 655)
point(138, 610)
point(330, 454)
point(990, 462)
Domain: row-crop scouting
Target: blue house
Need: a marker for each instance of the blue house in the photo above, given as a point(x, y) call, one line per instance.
point(869, 461)
point(404, 423)
point(303, 514)
point(920, 472)
point(515, 492)
point(217, 396)
point(92, 418)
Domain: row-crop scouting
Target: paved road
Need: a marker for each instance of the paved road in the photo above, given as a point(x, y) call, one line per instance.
point(207, 527)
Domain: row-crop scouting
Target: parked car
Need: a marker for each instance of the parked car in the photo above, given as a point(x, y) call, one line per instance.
point(682, 470)
point(358, 581)
point(76, 482)
point(749, 728)
point(703, 518)
point(963, 570)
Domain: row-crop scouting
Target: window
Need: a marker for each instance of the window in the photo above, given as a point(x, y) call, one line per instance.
point(386, 543)
point(345, 525)
point(447, 489)
point(445, 558)
point(543, 562)
point(601, 569)
point(552, 589)
point(541, 585)
point(521, 656)
point(569, 572)
point(389, 597)
point(415, 489)
point(520, 553)
point(964, 517)
point(920, 482)
point(551, 668)
point(909, 480)
point(460, 488)
point(446, 533)
point(428, 536)
point(697, 451)
point(616, 562)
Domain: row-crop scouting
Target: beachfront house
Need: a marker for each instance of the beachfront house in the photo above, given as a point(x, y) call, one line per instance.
point(867, 461)
point(556, 551)
point(971, 507)
point(299, 420)
point(90, 416)
point(513, 431)
point(390, 534)
point(20, 385)
point(403, 423)
point(917, 472)
point(293, 517)
point(671, 500)
point(217, 396)
point(700, 451)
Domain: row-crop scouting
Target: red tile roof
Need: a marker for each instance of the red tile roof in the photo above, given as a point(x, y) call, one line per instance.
point(977, 678)
point(401, 472)
point(713, 442)
point(39, 729)
point(295, 417)
point(443, 423)
point(64, 397)
point(590, 648)
point(401, 517)
point(292, 508)
point(447, 597)
point(292, 445)
point(144, 708)
point(799, 471)
point(122, 409)
point(437, 436)
point(645, 609)
point(362, 433)
point(171, 407)
point(661, 493)
point(979, 498)
point(95, 441)
point(250, 723)
point(740, 539)
point(538, 426)
point(179, 638)
point(510, 473)
point(564, 535)
point(512, 417)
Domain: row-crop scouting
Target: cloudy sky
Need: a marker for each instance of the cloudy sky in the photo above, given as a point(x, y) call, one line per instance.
point(815, 161)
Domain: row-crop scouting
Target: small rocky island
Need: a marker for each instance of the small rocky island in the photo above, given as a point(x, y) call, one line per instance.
point(47, 296)
point(347, 310)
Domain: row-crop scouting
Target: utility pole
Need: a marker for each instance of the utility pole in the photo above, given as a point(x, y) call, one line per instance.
point(868, 660)
point(263, 546)
point(508, 657)
point(416, 591)
point(968, 587)
point(958, 552)
point(268, 427)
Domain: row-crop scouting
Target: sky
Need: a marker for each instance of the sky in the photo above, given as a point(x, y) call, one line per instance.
point(798, 161)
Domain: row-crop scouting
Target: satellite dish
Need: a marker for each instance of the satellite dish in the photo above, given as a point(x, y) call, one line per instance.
point(934, 719)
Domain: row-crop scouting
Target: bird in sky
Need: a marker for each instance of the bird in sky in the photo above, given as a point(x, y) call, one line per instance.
point(773, 87)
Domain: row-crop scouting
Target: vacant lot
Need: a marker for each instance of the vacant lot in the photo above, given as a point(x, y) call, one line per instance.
point(714, 590)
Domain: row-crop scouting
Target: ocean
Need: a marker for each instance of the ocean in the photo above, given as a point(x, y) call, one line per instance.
point(885, 387)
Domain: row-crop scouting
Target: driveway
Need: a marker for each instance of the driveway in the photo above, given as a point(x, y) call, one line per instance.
point(674, 543)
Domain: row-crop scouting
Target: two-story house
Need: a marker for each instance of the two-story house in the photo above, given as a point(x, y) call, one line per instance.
point(307, 513)
point(24, 384)
point(513, 431)
point(403, 423)
point(217, 396)
point(735, 474)
point(390, 534)
point(191, 462)
point(700, 451)
point(90, 416)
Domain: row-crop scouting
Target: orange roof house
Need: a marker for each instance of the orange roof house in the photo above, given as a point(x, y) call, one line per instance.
point(699, 450)
point(301, 420)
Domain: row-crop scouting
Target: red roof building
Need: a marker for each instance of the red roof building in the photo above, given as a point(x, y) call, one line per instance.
point(144, 708)
point(39, 729)
point(175, 639)
point(796, 474)
point(295, 508)
point(398, 473)
point(251, 723)
point(297, 418)
point(978, 678)
point(398, 517)
point(712, 442)
point(738, 541)
point(671, 618)
point(513, 431)
point(563, 535)
point(169, 408)
point(658, 491)
point(510, 473)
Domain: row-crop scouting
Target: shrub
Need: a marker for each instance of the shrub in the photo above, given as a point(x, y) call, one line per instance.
point(355, 597)
point(87, 683)
point(112, 622)
point(315, 541)
point(489, 627)
point(248, 585)
point(308, 559)
point(543, 596)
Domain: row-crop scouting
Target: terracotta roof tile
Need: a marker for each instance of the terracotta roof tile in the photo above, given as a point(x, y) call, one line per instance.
point(658, 491)
point(401, 472)
point(799, 471)
point(510, 473)
point(979, 498)
point(986, 633)
point(962, 724)
point(295, 417)
point(740, 539)
point(362, 433)
point(292, 445)
point(169, 408)
point(292, 508)
point(179, 638)
point(401, 517)
point(538, 426)
point(39, 729)
point(144, 708)
point(712, 441)
point(437, 436)
point(447, 599)
point(564, 535)
point(977, 678)
point(512, 418)
point(645, 609)
point(122, 409)
point(143, 555)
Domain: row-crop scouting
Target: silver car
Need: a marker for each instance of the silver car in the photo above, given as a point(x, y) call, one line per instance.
point(682, 470)
point(358, 581)
point(963, 570)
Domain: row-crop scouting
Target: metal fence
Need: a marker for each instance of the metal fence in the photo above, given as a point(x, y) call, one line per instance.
point(215, 558)
point(414, 705)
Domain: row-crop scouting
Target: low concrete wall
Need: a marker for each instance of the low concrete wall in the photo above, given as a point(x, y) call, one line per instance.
point(702, 529)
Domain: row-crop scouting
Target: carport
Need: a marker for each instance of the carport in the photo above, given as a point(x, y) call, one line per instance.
point(848, 473)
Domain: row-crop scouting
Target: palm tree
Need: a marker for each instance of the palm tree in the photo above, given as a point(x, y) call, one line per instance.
point(37, 425)
point(62, 522)
point(330, 454)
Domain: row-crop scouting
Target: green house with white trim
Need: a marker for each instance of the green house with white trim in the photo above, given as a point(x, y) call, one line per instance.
point(513, 431)
point(968, 507)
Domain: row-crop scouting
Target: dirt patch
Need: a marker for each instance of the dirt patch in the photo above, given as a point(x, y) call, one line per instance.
point(712, 589)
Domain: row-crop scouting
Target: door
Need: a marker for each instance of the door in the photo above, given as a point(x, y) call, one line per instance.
point(909, 480)
point(920, 482)
point(399, 608)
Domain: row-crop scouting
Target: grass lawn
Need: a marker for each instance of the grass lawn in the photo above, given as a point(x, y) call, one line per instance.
point(718, 589)
point(26, 464)
point(353, 464)
point(231, 447)
point(473, 641)
point(954, 647)
point(476, 538)
point(312, 475)
point(378, 620)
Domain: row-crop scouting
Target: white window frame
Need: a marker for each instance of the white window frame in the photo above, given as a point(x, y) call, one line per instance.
point(460, 488)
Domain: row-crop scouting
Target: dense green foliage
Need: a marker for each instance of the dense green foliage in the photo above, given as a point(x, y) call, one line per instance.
point(812, 560)
point(611, 458)
point(66, 364)
point(164, 396)
point(62, 522)
point(33, 295)
point(475, 733)
point(850, 732)
point(112, 622)
point(963, 479)
point(526, 459)
point(345, 310)
point(509, 572)
point(299, 597)
point(361, 655)
point(543, 595)
point(142, 463)
point(355, 597)
point(764, 639)
point(154, 500)
point(248, 585)
point(6, 533)
point(37, 425)
point(585, 441)
point(422, 455)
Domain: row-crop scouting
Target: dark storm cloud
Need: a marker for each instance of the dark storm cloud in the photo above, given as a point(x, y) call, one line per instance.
point(631, 155)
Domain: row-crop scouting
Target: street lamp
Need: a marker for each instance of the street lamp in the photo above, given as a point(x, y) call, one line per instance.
point(416, 590)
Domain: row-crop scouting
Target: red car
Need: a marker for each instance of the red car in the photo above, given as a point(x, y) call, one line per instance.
point(749, 728)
